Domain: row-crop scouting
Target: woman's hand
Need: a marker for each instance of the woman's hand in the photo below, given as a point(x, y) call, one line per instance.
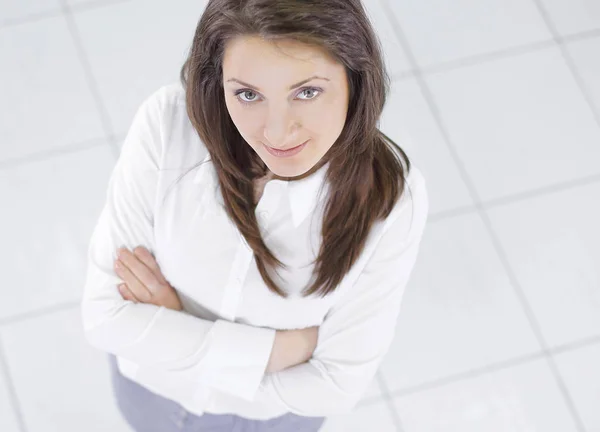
point(292, 347)
point(144, 282)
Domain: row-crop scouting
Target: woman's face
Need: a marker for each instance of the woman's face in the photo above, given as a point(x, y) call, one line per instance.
point(275, 99)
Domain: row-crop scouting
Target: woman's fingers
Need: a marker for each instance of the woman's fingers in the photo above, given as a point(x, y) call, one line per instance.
point(144, 279)
point(127, 294)
point(145, 275)
point(145, 256)
point(130, 272)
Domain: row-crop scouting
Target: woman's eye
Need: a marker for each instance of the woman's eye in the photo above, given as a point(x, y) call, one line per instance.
point(309, 90)
point(243, 92)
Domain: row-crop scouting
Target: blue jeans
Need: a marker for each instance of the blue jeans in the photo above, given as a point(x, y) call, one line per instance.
point(148, 412)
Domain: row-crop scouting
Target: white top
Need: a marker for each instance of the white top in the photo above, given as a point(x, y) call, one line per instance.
point(212, 356)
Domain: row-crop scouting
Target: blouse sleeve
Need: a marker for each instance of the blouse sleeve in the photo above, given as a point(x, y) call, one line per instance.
point(358, 331)
point(179, 347)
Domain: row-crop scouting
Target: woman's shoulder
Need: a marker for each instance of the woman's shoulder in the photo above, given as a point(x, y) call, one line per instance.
point(414, 185)
point(415, 181)
point(170, 95)
point(166, 127)
point(161, 109)
point(169, 104)
point(413, 204)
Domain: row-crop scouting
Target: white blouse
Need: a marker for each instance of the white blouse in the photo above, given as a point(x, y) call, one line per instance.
point(211, 357)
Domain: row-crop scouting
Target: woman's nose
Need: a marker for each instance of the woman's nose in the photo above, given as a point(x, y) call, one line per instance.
point(279, 128)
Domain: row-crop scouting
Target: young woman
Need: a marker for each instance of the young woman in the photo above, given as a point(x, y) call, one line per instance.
point(247, 270)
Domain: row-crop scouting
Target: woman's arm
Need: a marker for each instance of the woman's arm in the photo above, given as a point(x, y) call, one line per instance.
point(292, 347)
point(174, 352)
point(144, 282)
point(358, 330)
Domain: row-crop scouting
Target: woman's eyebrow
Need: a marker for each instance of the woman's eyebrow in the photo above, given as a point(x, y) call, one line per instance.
point(293, 86)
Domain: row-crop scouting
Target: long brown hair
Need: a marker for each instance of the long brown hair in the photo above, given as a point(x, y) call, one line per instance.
point(366, 177)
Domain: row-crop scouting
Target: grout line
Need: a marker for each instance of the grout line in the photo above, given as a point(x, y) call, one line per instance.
point(533, 322)
point(564, 390)
point(469, 374)
point(545, 190)
point(569, 61)
point(496, 367)
point(492, 56)
point(514, 198)
point(90, 5)
point(575, 345)
point(56, 12)
point(10, 389)
point(449, 214)
point(487, 57)
point(389, 402)
point(30, 18)
point(37, 313)
point(517, 289)
point(44, 155)
point(91, 80)
point(59, 151)
point(587, 34)
point(403, 75)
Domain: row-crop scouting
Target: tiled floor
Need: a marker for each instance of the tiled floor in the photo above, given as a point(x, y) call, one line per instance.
point(497, 101)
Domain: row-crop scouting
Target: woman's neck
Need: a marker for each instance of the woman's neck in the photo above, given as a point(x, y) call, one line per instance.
point(271, 176)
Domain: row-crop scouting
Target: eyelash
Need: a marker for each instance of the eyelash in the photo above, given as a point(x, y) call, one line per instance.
point(246, 103)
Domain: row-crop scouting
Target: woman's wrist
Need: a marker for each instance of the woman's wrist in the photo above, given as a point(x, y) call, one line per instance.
point(291, 347)
point(280, 346)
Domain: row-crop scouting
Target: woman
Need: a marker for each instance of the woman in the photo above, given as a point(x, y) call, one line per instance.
point(261, 292)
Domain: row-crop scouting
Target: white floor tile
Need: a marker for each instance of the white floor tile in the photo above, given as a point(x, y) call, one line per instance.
point(552, 243)
point(407, 120)
point(63, 384)
point(518, 123)
point(374, 391)
point(11, 10)
point(580, 371)
point(587, 61)
point(94, 2)
point(8, 420)
point(45, 101)
point(371, 417)
point(52, 208)
point(573, 16)
point(522, 398)
point(394, 56)
point(459, 311)
point(137, 56)
point(438, 31)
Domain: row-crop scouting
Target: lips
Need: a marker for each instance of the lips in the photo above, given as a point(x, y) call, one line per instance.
point(290, 148)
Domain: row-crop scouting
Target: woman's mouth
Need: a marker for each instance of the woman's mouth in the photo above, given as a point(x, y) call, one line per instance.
point(286, 153)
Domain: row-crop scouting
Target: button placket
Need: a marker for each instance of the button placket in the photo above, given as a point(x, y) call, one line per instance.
point(233, 293)
point(272, 195)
